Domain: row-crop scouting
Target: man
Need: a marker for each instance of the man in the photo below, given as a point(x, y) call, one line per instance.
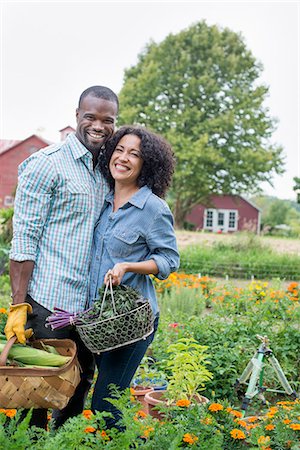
point(58, 201)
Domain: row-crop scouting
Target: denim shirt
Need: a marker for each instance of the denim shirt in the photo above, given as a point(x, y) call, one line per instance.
point(140, 230)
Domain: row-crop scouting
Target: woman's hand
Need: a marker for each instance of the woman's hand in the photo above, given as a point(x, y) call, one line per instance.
point(116, 274)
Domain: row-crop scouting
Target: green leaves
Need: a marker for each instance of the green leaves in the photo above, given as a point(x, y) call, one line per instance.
point(187, 362)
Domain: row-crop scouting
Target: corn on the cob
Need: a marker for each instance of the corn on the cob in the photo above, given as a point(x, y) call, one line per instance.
point(34, 357)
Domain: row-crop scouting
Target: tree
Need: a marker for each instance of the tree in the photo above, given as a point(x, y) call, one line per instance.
point(199, 88)
point(296, 187)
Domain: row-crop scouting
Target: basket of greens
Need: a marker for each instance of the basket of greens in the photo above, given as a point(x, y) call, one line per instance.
point(120, 316)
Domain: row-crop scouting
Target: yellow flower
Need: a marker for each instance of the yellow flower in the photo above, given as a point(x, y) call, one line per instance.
point(189, 438)
point(3, 311)
point(237, 434)
point(295, 426)
point(183, 402)
point(270, 427)
point(263, 440)
point(206, 421)
point(215, 407)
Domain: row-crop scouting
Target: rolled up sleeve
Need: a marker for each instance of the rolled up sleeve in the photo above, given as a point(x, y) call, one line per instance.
point(33, 197)
point(161, 241)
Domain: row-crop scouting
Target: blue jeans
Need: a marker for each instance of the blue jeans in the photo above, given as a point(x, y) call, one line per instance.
point(117, 367)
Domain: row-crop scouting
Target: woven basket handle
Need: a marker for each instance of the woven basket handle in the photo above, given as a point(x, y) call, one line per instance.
point(112, 297)
point(6, 350)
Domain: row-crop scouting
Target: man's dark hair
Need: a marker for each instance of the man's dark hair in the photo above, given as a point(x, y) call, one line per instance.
point(100, 92)
point(156, 152)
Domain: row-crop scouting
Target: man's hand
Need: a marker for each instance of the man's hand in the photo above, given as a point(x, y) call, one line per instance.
point(16, 321)
point(116, 274)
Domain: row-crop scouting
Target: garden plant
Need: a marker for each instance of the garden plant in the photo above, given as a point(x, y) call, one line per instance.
point(223, 320)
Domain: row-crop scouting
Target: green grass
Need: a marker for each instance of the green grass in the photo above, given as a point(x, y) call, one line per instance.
point(244, 257)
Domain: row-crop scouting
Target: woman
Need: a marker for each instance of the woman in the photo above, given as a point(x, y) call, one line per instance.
point(133, 238)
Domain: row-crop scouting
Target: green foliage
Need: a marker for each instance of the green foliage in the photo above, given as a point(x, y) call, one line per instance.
point(182, 300)
point(206, 426)
point(16, 434)
point(275, 211)
point(229, 329)
point(242, 257)
point(187, 361)
point(5, 291)
point(6, 216)
point(199, 88)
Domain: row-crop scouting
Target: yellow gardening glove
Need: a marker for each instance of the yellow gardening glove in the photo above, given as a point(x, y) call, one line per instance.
point(16, 321)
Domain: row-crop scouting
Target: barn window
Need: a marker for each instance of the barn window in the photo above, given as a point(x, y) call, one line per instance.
point(232, 219)
point(221, 219)
point(209, 219)
point(8, 201)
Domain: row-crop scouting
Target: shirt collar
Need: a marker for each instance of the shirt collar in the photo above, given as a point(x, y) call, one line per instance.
point(77, 148)
point(138, 199)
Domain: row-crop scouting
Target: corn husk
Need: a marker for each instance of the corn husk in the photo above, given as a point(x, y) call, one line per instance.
point(34, 357)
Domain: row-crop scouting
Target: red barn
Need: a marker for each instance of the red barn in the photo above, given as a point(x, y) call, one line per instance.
point(12, 153)
point(225, 214)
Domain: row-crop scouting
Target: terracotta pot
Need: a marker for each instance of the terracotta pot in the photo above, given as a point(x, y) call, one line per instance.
point(154, 398)
point(139, 395)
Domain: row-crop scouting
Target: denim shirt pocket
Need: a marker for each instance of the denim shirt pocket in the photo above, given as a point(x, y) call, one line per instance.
point(78, 196)
point(121, 244)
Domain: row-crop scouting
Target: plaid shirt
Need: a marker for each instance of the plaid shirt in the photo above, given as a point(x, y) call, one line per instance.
point(58, 202)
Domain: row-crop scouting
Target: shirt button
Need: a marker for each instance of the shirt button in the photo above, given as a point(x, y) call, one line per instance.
point(97, 258)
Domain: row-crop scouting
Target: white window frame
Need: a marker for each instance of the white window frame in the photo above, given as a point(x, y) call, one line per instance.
point(215, 227)
point(8, 201)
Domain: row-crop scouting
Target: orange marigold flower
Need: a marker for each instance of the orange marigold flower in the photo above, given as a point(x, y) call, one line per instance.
point(215, 407)
point(183, 402)
point(104, 435)
point(89, 430)
point(236, 413)
point(295, 426)
point(237, 434)
point(286, 421)
point(141, 414)
point(87, 413)
point(3, 311)
point(242, 423)
point(270, 427)
point(11, 412)
point(2, 411)
point(252, 419)
point(189, 438)
point(147, 431)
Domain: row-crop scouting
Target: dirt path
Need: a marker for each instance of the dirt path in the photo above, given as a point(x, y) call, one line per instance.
point(281, 245)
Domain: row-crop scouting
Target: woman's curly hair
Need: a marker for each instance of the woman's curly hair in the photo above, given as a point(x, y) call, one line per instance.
point(156, 152)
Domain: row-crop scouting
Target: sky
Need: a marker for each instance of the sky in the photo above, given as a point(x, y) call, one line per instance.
point(51, 51)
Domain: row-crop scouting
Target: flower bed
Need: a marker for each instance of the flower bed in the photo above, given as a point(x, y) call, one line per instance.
point(226, 319)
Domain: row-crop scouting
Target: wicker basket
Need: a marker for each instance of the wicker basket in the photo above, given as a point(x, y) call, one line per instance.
point(22, 387)
point(123, 329)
